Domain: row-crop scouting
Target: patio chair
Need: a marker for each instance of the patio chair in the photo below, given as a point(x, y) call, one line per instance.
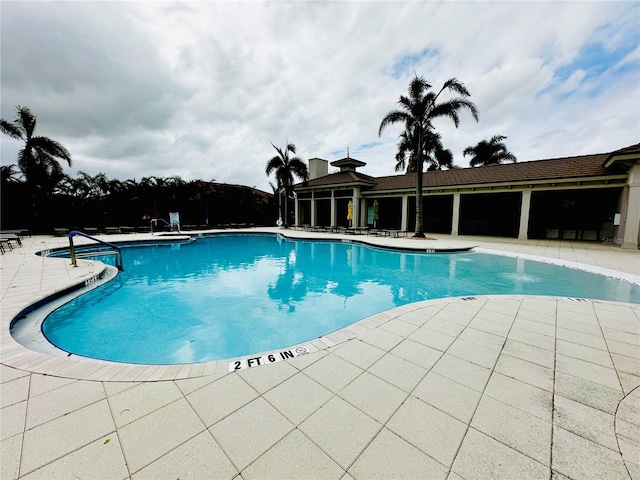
point(21, 232)
point(378, 232)
point(11, 237)
point(397, 233)
point(2, 241)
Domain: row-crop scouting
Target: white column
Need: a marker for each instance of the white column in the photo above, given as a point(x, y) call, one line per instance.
point(631, 220)
point(523, 233)
point(404, 223)
point(296, 211)
point(314, 210)
point(455, 216)
point(332, 222)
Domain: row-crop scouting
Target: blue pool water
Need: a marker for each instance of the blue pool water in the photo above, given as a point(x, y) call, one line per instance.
point(235, 295)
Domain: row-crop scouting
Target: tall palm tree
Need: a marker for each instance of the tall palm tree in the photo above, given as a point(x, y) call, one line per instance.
point(38, 159)
point(490, 152)
point(285, 167)
point(436, 156)
point(417, 111)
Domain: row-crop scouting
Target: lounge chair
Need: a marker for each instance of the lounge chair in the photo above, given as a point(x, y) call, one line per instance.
point(10, 237)
point(397, 233)
point(2, 241)
point(358, 230)
point(21, 232)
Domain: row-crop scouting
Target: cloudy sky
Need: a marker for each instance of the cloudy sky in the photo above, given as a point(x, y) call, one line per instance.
point(200, 89)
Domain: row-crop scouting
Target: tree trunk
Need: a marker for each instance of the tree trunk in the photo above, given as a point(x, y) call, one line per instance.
point(286, 210)
point(419, 233)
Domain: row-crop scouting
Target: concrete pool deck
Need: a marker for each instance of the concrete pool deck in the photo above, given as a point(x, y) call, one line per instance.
point(477, 387)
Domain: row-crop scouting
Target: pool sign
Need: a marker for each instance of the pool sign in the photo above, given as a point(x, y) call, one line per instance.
point(174, 219)
point(274, 357)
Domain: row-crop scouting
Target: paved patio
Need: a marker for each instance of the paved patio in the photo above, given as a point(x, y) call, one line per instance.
point(479, 387)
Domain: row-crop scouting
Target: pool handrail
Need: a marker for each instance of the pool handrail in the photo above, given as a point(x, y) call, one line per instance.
point(117, 252)
point(170, 225)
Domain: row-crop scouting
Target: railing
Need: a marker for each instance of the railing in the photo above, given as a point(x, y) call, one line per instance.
point(172, 227)
point(115, 250)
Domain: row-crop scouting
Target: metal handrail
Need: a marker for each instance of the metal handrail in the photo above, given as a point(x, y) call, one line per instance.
point(118, 252)
point(171, 226)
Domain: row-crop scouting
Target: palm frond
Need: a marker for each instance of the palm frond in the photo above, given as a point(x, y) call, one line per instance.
point(26, 120)
point(299, 168)
point(392, 117)
point(51, 147)
point(10, 129)
point(457, 86)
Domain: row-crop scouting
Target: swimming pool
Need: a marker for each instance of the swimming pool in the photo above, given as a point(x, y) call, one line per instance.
point(233, 295)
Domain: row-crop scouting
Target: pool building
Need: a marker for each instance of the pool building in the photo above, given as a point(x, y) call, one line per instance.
point(587, 197)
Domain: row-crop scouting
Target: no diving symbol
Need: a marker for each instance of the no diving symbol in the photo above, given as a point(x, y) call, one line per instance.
point(269, 358)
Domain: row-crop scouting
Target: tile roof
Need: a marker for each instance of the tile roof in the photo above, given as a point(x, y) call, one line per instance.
point(628, 155)
point(548, 169)
point(631, 150)
point(340, 178)
point(556, 168)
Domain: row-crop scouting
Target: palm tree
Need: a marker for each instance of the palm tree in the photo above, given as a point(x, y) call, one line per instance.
point(436, 155)
point(490, 152)
point(38, 159)
point(440, 158)
point(92, 187)
point(66, 186)
point(285, 168)
point(418, 110)
point(115, 186)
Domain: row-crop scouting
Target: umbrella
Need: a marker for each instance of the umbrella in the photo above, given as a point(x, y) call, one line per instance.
point(350, 211)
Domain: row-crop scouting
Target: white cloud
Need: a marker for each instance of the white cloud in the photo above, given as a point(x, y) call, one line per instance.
point(199, 89)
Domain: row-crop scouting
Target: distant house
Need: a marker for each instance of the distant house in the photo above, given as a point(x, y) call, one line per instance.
point(586, 197)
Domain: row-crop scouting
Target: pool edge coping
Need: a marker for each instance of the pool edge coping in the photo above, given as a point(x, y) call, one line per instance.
point(15, 355)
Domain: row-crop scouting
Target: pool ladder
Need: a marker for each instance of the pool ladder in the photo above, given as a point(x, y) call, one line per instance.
point(113, 250)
